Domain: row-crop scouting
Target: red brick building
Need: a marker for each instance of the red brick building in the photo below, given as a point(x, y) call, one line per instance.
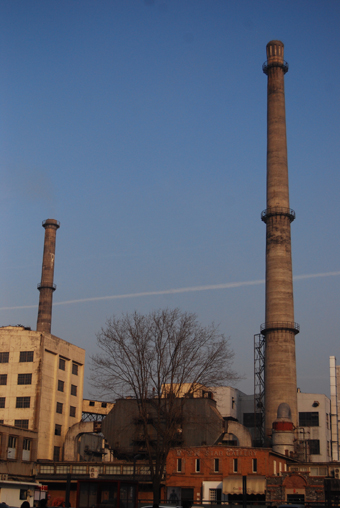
point(206, 474)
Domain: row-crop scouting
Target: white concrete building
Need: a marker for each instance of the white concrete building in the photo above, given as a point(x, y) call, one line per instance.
point(41, 386)
point(314, 426)
point(314, 410)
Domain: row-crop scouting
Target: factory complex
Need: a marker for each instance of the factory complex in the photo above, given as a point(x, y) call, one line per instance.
point(275, 446)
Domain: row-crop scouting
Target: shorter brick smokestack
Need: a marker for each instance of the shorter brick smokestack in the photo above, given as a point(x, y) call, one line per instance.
point(46, 286)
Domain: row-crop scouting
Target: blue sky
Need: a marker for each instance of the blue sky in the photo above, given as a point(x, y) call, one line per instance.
point(141, 127)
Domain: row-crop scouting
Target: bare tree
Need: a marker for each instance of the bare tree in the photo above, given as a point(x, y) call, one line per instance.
point(160, 359)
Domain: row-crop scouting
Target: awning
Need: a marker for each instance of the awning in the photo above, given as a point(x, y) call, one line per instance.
point(255, 484)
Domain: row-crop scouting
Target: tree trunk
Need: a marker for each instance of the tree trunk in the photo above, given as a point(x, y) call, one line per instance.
point(156, 485)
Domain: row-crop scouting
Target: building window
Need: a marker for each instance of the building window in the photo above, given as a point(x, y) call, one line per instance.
point(56, 455)
point(26, 356)
point(3, 379)
point(73, 390)
point(254, 465)
point(72, 411)
point(62, 364)
point(24, 379)
point(26, 449)
point(23, 402)
point(327, 420)
point(75, 369)
point(23, 494)
point(216, 465)
point(57, 430)
point(91, 403)
point(235, 465)
point(12, 447)
point(1, 421)
point(274, 467)
point(127, 470)
point(215, 495)
point(22, 424)
point(309, 419)
point(314, 446)
point(59, 408)
point(2, 402)
point(198, 465)
point(60, 385)
point(104, 404)
point(179, 465)
point(4, 357)
point(114, 470)
point(79, 469)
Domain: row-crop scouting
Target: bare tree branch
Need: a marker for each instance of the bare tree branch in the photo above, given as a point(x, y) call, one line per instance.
point(159, 359)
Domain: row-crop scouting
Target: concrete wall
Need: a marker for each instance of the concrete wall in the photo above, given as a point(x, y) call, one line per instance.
point(307, 403)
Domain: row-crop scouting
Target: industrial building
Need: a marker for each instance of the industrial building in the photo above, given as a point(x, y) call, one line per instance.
point(283, 441)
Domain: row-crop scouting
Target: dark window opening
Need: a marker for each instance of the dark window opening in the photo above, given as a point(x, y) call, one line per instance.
point(56, 453)
point(59, 408)
point(4, 357)
point(26, 356)
point(2, 402)
point(309, 419)
point(216, 465)
point(235, 465)
point(24, 379)
point(22, 424)
point(72, 411)
point(23, 402)
point(73, 390)
point(75, 369)
point(198, 465)
point(3, 379)
point(57, 430)
point(314, 446)
point(60, 386)
point(62, 364)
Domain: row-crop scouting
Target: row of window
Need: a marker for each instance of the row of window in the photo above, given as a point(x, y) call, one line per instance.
point(216, 465)
point(61, 385)
point(23, 379)
point(60, 408)
point(22, 424)
point(62, 366)
point(12, 448)
point(84, 469)
point(25, 402)
point(25, 356)
point(26, 379)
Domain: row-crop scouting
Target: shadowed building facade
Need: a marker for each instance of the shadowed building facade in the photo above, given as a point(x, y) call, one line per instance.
point(279, 328)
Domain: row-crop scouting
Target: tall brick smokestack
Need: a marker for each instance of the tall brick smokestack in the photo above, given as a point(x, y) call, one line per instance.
point(279, 329)
point(46, 286)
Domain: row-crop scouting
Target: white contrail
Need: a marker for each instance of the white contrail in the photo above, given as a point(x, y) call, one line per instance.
point(210, 287)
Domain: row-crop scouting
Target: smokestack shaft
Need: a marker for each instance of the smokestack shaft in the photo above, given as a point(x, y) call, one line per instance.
point(47, 287)
point(279, 328)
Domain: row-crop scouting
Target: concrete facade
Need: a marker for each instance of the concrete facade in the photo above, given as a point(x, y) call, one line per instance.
point(315, 438)
point(279, 327)
point(41, 387)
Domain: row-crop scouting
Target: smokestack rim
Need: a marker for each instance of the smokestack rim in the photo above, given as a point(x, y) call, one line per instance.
point(51, 223)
